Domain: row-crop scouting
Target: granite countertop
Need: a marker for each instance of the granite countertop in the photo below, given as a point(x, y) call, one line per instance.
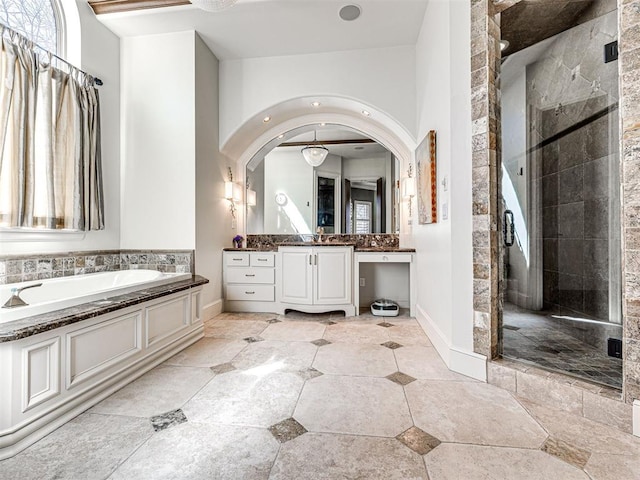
point(385, 249)
point(274, 248)
point(25, 327)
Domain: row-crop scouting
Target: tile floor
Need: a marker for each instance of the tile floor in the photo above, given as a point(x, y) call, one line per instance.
point(535, 338)
point(321, 397)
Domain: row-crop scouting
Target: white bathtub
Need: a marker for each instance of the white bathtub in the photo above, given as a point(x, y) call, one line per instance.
point(58, 293)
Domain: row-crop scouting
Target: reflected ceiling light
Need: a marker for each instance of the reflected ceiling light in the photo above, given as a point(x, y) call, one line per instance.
point(315, 153)
point(266, 119)
point(504, 44)
point(315, 104)
point(366, 113)
point(348, 13)
point(213, 5)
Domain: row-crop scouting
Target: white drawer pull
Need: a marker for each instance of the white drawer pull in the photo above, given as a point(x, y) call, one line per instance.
point(250, 293)
point(385, 258)
point(237, 259)
point(262, 259)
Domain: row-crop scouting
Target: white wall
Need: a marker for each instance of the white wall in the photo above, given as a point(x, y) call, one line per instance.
point(212, 233)
point(383, 77)
point(158, 127)
point(99, 55)
point(444, 249)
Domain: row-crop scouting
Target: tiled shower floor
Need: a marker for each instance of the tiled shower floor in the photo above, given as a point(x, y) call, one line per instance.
point(535, 338)
point(264, 397)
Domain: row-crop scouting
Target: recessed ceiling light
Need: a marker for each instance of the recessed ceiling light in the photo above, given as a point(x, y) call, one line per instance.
point(366, 113)
point(504, 44)
point(315, 104)
point(281, 136)
point(266, 119)
point(349, 13)
point(322, 124)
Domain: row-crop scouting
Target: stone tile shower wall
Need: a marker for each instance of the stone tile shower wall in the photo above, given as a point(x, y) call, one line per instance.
point(485, 34)
point(629, 65)
point(25, 268)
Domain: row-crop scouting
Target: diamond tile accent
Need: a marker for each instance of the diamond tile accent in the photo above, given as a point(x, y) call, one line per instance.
point(328, 322)
point(321, 342)
point(400, 378)
point(391, 345)
point(287, 430)
point(169, 419)
point(273, 320)
point(222, 368)
point(385, 324)
point(566, 452)
point(418, 440)
point(253, 339)
point(309, 373)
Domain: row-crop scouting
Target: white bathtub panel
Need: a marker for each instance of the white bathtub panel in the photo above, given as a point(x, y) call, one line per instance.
point(196, 307)
point(166, 318)
point(96, 348)
point(40, 372)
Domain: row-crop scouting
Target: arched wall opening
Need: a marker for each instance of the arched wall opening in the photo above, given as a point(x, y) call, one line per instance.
point(257, 137)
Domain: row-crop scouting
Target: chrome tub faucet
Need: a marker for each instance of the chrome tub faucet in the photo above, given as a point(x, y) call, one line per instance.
point(15, 300)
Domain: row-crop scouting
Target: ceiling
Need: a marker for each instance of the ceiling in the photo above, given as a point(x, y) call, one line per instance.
point(262, 28)
point(531, 21)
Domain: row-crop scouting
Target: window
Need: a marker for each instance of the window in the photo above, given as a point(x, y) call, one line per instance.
point(38, 20)
point(362, 217)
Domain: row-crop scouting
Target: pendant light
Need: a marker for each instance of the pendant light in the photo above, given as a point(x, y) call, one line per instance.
point(213, 5)
point(315, 153)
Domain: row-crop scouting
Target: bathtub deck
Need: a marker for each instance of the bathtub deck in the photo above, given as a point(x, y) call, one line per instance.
point(27, 327)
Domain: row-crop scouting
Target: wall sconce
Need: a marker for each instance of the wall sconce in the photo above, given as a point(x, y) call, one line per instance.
point(232, 193)
point(409, 187)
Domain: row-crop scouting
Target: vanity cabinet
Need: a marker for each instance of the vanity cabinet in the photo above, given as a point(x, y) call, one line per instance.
point(249, 281)
point(316, 278)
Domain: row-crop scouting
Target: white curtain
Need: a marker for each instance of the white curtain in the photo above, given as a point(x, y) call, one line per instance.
point(50, 159)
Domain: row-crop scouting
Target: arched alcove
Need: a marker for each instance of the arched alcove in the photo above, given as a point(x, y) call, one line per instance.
point(296, 116)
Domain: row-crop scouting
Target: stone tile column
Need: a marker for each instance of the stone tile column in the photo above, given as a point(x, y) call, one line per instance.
point(629, 70)
point(485, 107)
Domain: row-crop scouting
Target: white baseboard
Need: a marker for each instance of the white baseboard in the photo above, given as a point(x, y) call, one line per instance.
point(457, 359)
point(636, 418)
point(211, 310)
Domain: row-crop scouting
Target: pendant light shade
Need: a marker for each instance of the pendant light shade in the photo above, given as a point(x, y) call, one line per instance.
point(315, 153)
point(213, 5)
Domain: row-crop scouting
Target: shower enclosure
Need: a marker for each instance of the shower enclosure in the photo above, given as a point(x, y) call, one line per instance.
point(560, 192)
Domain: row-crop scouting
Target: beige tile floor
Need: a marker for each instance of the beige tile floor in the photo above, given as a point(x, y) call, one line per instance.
point(302, 397)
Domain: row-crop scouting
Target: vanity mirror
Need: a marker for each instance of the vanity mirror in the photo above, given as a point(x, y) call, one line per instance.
point(353, 190)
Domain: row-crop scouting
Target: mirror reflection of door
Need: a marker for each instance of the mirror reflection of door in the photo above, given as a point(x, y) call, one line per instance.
point(365, 191)
point(326, 201)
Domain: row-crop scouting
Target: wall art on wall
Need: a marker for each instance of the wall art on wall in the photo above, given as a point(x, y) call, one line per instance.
point(426, 179)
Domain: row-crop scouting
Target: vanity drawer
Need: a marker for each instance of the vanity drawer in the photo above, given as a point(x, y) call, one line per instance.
point(236, 259)
point(385, 258)
point(260, 293)
point(251, 275)
point(262, 259)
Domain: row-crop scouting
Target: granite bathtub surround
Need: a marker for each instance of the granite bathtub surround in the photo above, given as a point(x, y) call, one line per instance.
point(375, 240)
point(25, 268)
point(25, 327)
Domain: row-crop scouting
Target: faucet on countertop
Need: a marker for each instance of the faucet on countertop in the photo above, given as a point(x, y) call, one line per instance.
point(320, 232)
point(15, 300)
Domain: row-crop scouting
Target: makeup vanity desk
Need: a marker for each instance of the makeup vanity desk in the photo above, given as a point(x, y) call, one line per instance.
point(365, 258)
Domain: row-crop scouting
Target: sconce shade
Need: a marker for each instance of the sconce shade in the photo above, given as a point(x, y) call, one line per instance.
point(228, 190)
point(213, 5)
point(408, 187)
point(251, 198)
point(315, 154)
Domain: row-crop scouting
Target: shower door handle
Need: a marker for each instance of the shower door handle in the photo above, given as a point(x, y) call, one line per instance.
point(508, 228)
